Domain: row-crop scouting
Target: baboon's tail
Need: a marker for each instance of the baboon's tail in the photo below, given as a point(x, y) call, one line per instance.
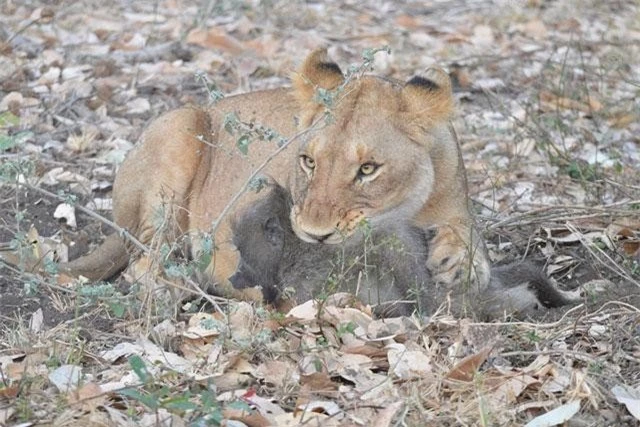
point(522, 288)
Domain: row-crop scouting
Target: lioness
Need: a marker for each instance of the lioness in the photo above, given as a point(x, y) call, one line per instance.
point(386, 269)
point(386, 153)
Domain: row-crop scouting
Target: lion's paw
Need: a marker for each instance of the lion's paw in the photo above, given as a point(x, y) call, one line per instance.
point(453, 262)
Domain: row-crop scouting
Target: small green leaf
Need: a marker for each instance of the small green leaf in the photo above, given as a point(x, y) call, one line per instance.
point(149, 401)
point(117, 309)
point(138, 366)
point(181, 403)
point(7, 142)
point(230, 122)
point(203, 261)
point(243, 144)
point(8, 119)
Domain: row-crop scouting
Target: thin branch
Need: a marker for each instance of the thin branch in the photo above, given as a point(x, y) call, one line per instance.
point(122, 231)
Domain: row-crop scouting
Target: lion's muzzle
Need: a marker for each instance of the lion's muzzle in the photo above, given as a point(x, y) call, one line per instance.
point(341, 228)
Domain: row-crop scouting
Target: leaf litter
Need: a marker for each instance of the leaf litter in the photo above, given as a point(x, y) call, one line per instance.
point(548, 121)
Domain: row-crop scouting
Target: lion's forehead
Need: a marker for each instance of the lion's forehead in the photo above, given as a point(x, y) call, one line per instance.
point(368, 141)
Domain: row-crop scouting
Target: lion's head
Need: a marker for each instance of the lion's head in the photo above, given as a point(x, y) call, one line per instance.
point(372, 159)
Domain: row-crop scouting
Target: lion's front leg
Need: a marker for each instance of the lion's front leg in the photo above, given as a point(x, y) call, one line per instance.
point(457, 257)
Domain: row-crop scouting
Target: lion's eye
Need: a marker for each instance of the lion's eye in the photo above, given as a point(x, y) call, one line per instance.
point(368, 169)
point(307, 162)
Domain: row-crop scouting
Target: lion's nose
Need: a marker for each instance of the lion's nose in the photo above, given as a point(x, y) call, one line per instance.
point(319, 237)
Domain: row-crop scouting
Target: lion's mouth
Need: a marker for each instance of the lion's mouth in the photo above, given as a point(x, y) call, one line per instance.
point(326, 237)
point(332, 238)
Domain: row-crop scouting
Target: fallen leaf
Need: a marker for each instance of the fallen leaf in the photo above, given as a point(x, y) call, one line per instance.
point(202, 325)
point(318, 382)
point(67, 212)
point(66, 377)
point(240, 321)
point(510, 388)
point(129, 42)
point(556, 416)
point(278, 372)
point(36, 321)
point(9, 392)
point(266, 407)
point(622, 119)
point(551, 102)
point(535, 29)
point(90, 396)
point(251, 419)
point(408, 21)
point(304, 311)
point(385, 417)
point(138, 106)
point(214, 38)
point(296, 419)
point(629, 397)
point(482, 36)
point(6, 413)
point(466, 369)
point(322, 407)
point(406, 364)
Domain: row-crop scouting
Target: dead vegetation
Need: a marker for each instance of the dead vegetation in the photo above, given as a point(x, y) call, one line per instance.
point(549, 120)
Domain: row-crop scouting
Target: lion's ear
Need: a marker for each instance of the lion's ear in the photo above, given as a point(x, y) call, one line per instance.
point(317, 71)
point(429, 97)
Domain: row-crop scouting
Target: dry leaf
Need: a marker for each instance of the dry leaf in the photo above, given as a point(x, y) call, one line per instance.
point(240, 321)
point(90, 396)
point(66, 377)
point(305, 311)
point(322, 407)
point(202, 325)
point(67, 212)
point(551, 102)
point(9, 392)
point(215, 38)
point(385, 417)
point(557, 416)
point(406, 364)
point(138, 106)
point(535, 29)
point(251, 419)
point(510, 389)
point(266, 407)
point(466, 369)
point(318, 383)
point(278, 372)
point(408, 21)
point(129, 42)
point(482, 36)
point(36, 321)
point(629, 397)
point(296, 419)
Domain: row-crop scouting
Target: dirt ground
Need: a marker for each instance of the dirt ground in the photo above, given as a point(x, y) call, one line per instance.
point(549, 120)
